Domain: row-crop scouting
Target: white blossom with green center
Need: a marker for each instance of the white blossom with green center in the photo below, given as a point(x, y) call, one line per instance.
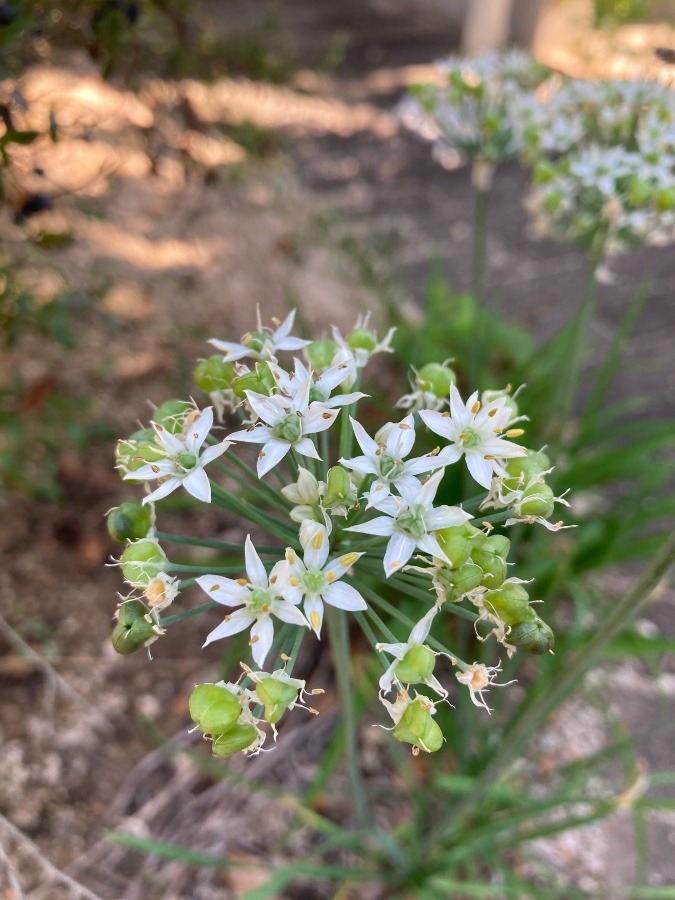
point(183, 465)
point(383, 457)
point(410, 522)
point(288, 423)
point(262, 344)
point(476, 431)
point(415, 656)
point(259, 597)
point(316, 579)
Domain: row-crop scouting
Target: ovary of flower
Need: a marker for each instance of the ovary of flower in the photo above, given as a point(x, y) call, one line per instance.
point(476, 431)
point(417, 637)
point(360, 354)
point(410, 522)
point(383, 458)
point(258, 596)
point(160, 593)
point(263, 343)
point(317, 579)
point(183, 464)
point(478, 678)
point(287, 423)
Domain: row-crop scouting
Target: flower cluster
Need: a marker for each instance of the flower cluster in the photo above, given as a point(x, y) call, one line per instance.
point(355, 521)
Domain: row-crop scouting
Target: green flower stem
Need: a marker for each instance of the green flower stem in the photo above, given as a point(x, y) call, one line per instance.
point(253, 514)
point(211, 544)
point(206, 568)
point(362, 619)
point(258, 485)
point(263, 494)
point(338, 635)
point(496, 518)
point(325, 454)
point(188, 613)
point(346, 432)
point(481, 209)
point(295, 650)
point(534, 716)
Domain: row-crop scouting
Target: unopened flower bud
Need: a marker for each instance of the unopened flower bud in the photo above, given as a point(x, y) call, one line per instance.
point(238, 738)
point(533, 636)
point(339, 489)
point(320, 354)
point(436, 379)
point(510, 603)
point(537, 500)
point(214, 374)
point(130, 521)
point(362, 339)
point(417, 726)
point(417, 665)
point(171, 415)
point(142, 561)
point(277, 696)
point(132, 630)
point(213, 708)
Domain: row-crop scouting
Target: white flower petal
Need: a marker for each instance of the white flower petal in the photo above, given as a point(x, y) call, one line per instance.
point(197, 483)
point(255, 570)
point(420, 632)
point(271, 455)
point(233, 624)
point(399, 550)
point(438, 423)
point(163, 490)
point(223, 590)
point(288, 612)
point(262, 636)
point(313, 607)
point(365, 442)
point(315, 543)
point(382, 525)
point(480, 468)
point(343, 596)
point(305, 446)
point(214, 452)
point(198, 431)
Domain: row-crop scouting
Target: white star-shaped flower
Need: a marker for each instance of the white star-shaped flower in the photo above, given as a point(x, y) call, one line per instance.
point(317, 579)
point(477, 431)
point(259, 598)
point(383, 458)
point(478, 678)
point(263, 343)
point(184, 465)
point(321, 386)
point(287, 422)
point(410, 522)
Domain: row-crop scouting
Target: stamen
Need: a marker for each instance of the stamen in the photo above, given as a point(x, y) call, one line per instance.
point(317, 543)
point(349, 559)
point(493, 412)
point(476, 407)
point(314, 619)
point(514, 432)
point(242, 581)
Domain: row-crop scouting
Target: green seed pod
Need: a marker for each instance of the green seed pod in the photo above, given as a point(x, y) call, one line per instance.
point(456, 543)
point(142, 561)
point(493, 566)
point(362, 339)
point(233, 741)
point(137, 450)
point(339, 489)
point(213, 374)
point(213, 708)
point(277, 697)
point(498, 544)
point(260, 381)
point(509, 402)
point(435, 378)
point(417, 727)
point(510, 603)
point(522, 469)
point(132, 630)
point(417, 665)
point(537, 500)
point(255, 340)
point(467, 577)
point(320, 354)
point(533, 636)
point(171, 415)
point(130, 521)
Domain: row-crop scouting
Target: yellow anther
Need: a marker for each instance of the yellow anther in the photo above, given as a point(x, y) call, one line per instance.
point(462, 437)
point(514, 432)
point(290, 556)
point(330, 577)
point(273, 579)
point(317, 543)
point(295, 581)
point(349, 559)
point(214, 589)
point(497, 430)
point(242, 581)
point(493, 412)
point(315, 621)
point(254, 640)
point(489, 456)
point(476, 407)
